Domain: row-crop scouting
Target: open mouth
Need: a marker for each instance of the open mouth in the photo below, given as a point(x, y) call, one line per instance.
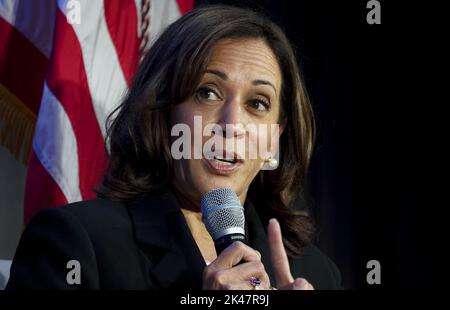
point(224, 164)
point(230, 161)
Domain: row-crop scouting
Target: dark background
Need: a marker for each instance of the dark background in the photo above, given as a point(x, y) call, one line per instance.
point(368, 177)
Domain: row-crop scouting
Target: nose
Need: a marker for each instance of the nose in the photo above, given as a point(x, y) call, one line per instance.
point(231, 119)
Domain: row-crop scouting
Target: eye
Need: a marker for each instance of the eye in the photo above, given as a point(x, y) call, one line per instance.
point(207, 93)
point(259, 105)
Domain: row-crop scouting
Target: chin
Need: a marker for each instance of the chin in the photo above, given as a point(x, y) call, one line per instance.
point(211, 182)
point(204, 180)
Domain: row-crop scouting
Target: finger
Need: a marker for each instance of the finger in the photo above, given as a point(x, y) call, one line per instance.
point(231, 278)
point(247, 270)
point(245, 285)
point(241, 285)
point(234, 254)
point(310, 286)
point(278, 255)
point(302, 284)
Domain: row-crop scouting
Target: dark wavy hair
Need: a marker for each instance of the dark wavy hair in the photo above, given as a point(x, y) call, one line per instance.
point(139, 135)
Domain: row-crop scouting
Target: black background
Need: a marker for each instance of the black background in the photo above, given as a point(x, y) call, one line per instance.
point(369, 178)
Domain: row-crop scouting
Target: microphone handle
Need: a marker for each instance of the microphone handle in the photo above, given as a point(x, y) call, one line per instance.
point(223, 242)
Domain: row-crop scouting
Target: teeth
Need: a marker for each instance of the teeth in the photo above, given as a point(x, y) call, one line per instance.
point(221, 158)
point(225, 163)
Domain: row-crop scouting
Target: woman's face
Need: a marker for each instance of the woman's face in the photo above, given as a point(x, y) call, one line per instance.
point(239, 91)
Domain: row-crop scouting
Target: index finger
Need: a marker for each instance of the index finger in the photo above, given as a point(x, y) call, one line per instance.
point(278, 255)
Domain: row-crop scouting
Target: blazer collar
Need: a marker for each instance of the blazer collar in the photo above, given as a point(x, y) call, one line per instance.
point(159, 223)
point(149, 215)
point(160, 228)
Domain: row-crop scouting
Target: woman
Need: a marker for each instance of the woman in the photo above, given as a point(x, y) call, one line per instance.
point(221, 65)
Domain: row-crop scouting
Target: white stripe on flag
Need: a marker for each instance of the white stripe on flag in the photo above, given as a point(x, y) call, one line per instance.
point(162, 14)
point(106, 80)
point(138, 6)
point(55, 145)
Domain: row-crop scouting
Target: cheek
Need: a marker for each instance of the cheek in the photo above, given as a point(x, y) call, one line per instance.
point(185, 113)
point(263, 141)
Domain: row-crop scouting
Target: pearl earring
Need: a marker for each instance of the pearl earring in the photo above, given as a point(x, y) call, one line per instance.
point(273, 163)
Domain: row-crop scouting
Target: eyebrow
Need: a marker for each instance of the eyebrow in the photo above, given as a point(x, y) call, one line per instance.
point(224, 77)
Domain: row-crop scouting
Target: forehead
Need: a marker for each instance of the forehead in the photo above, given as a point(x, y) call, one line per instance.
point(248, 59)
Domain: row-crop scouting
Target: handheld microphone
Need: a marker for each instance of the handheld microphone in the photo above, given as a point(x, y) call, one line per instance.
point(223, 216)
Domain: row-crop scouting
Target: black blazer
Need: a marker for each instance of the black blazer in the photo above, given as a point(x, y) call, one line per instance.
point(141, 245)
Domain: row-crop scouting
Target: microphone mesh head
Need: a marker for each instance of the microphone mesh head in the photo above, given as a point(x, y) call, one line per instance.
point(222, 213)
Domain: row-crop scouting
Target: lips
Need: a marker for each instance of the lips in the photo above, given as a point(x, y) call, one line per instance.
point(225, 160)
point(224, 164)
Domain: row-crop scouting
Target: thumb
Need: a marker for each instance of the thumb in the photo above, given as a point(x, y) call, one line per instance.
point(302, 284)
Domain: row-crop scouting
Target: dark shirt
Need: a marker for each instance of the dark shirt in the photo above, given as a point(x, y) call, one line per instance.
point(141, 245)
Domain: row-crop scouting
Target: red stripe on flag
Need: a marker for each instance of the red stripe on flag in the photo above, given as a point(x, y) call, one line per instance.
point(41, 190)
point(68, 82)
point(185, 6)
point(121, 18)
point(22, 66)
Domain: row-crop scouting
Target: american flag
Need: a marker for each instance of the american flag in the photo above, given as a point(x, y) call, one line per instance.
point(64, 66)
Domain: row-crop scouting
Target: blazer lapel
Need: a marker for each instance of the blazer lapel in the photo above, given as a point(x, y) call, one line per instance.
point(167, 241)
